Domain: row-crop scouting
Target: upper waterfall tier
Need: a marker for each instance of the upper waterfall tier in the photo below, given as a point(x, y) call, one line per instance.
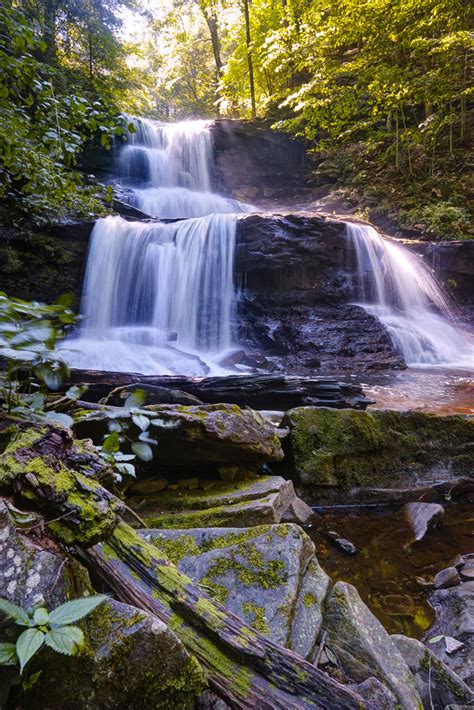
point(396, 287)
point(168, 167)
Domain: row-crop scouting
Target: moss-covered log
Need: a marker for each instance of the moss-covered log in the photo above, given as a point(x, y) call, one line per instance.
point(47, 469)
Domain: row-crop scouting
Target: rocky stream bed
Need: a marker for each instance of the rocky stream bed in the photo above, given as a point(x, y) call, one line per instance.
point(226, 588)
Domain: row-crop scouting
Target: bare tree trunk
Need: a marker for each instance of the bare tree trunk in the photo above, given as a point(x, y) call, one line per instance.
point(246, 4)
point(49, 28)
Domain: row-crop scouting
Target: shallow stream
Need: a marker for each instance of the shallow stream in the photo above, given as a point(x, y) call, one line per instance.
point(390, 576)
point(429, 389)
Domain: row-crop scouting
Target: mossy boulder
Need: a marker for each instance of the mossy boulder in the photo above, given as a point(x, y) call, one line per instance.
point(131, 659)
point(220, 434)
point(437, 684)
point(374, 453)
point(242, 503)
point(363, 648)
point(267, 575)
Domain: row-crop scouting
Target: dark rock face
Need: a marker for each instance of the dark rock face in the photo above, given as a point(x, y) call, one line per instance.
point(45, 264)
point(296, 284)
point(256, 162)
point(453, 263)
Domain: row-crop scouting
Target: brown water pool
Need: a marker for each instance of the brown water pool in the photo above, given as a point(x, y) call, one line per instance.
point(436, 389)
point(389, 576)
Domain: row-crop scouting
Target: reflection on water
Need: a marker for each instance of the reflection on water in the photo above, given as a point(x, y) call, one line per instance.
point(444, 391)
point(390, 578)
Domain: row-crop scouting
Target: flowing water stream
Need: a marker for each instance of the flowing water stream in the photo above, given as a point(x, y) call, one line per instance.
point(396, 287)
point(159, 298)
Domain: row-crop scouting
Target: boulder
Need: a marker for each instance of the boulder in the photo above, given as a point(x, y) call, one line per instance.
point(448, 577)
point(206, 434)
point(437, 685)
point(454, 609)
point(131, 659)
point(31, 574)
point(421, 517)
point(379, 455)
point(268, 575)
point(376, 693)
point(254, 501)
point(362, 646)
point(299, 512)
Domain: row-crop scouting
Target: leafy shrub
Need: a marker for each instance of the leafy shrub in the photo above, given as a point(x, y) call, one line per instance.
point(443, 221)
point(43, 628)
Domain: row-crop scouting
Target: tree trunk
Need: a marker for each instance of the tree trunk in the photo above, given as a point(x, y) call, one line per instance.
point(49, 29)
point(249, 58)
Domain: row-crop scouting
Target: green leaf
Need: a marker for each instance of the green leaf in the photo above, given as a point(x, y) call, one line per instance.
point(143, 451)
point(128, 469)
point(15, 612)
point(8, 654)
point(435, 639)
point(66, 639)
point(111, 443)
point(29, 682)
point(20, 518)
point(28, 643)
point(141, 421)
point(74, 610)
point(41, 616)
point(60, 418)
point(53, 374)
point(135, 399)
point(144, 436)
point(76, 392)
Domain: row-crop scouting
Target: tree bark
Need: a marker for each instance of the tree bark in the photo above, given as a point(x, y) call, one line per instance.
point(248, 37)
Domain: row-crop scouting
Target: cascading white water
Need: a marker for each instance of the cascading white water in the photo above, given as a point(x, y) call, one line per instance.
point(396, 287)
point(172, 163)
point(158, 298)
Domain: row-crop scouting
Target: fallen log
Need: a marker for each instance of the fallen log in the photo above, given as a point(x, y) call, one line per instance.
point(257, 391)
point(47, 469)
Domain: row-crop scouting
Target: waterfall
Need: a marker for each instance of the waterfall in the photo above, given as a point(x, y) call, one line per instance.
point(396, 287)
point(159, 298)
point(172, 165)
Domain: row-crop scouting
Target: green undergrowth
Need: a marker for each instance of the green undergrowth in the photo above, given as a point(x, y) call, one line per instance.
point(436, 206)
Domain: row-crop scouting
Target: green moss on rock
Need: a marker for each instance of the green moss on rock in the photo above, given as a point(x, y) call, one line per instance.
point(330, 447)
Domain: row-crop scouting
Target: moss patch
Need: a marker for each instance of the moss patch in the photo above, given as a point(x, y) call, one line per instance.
point(331, 447)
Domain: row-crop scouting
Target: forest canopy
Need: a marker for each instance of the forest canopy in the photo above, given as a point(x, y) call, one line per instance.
point(381, 89)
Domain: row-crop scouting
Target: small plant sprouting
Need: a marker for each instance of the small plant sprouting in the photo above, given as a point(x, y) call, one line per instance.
point(54, 629)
